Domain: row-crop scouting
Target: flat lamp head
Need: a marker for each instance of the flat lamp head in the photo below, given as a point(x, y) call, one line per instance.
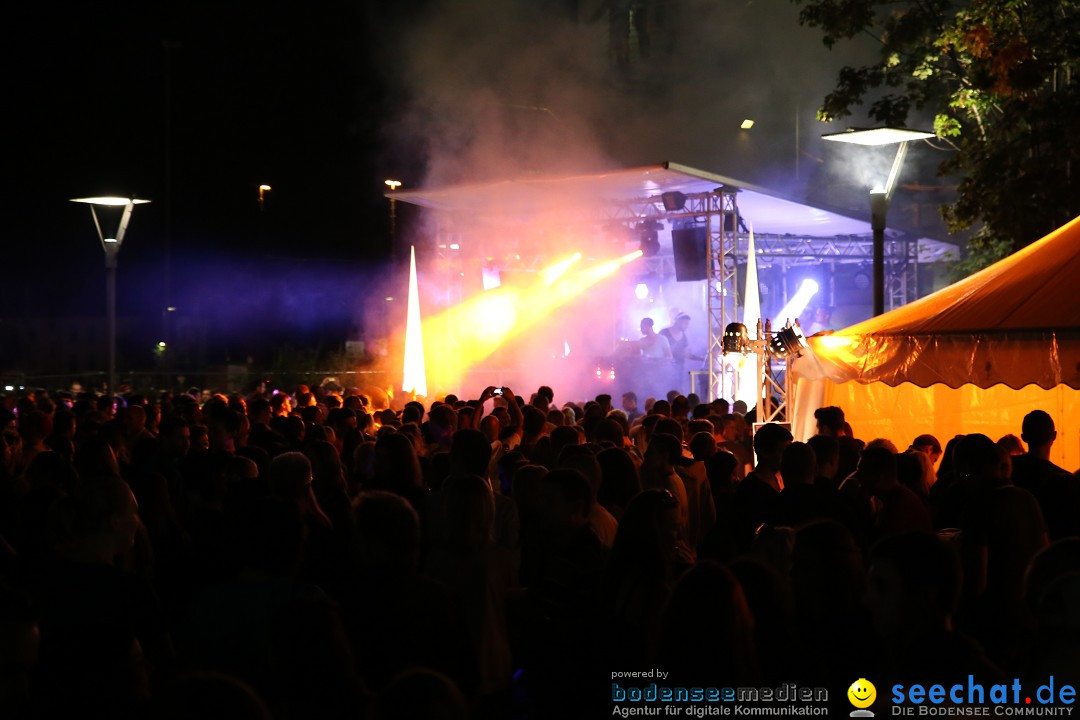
point(110, 200)
point(877, 136)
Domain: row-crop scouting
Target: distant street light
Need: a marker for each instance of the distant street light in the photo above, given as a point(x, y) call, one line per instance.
point(880, 196)
point(166, 315)
point(393, 185)
point(263, 189)
point(111, 246)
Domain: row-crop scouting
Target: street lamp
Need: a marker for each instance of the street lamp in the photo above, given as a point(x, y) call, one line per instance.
point(880, 196)
point(111, 246)
point(263, 189)
point(393, 185)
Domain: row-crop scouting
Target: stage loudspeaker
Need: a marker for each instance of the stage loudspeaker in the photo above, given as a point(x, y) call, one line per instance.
point(691, 249)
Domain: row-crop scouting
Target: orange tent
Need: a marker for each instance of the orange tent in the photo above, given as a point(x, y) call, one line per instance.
point(973, 357)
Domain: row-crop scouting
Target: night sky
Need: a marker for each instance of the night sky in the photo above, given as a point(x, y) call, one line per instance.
point(214, 97)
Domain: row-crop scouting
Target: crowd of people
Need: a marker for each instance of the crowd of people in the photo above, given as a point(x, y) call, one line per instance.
point(333, 553)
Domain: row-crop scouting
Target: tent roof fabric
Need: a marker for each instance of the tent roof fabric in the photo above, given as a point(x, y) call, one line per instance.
point(534, 195)
point(1035, 288)
point(1016, 322)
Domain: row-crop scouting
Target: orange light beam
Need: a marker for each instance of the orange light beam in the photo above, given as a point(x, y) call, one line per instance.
point(484, 322)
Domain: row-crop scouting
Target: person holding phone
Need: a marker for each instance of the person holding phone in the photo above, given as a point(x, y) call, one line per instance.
point(507, 396)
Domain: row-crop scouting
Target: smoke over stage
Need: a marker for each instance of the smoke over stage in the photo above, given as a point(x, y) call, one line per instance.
point(547, 280)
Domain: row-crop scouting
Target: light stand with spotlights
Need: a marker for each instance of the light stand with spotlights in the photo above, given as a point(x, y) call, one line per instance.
point(785, 344)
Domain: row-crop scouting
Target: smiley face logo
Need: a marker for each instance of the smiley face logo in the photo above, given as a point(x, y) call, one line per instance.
point(862, 693)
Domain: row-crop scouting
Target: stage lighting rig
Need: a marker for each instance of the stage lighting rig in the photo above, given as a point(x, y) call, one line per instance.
point(673, 201)
point(648, 231)
point(789, 342)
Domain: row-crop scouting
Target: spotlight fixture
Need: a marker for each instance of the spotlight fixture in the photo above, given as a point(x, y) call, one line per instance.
point(789, 342)
point(650, 243)
point(861, 280)
point(673, 201)
point(736, 338)
point(649, 246)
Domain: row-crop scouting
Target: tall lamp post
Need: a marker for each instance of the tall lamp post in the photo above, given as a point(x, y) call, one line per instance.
point(111, 245)
point(393, 185)
point(880, 196)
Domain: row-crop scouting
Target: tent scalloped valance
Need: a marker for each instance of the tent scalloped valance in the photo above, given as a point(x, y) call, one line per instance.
point(1015, 359)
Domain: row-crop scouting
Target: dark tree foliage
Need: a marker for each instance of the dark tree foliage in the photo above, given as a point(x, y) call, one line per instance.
point(1002, 80)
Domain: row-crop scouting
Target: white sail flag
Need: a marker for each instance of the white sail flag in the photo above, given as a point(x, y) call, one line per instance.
point(747, 388)
point(414, 378)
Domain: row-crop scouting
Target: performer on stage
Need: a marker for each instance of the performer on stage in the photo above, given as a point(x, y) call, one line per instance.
point(654, 371)
point(679, 343)
point(822, 320)
point(653, 345)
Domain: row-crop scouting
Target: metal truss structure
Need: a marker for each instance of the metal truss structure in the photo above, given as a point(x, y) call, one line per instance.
point(723, 225)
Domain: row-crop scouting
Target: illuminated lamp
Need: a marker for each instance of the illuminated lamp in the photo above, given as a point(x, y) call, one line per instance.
point(110, 201)
point(645, 285)
point(490, 277)
point(673, 201)
point(877, 136)
point(736, 338)
point(789, 342)
point(881, 196)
